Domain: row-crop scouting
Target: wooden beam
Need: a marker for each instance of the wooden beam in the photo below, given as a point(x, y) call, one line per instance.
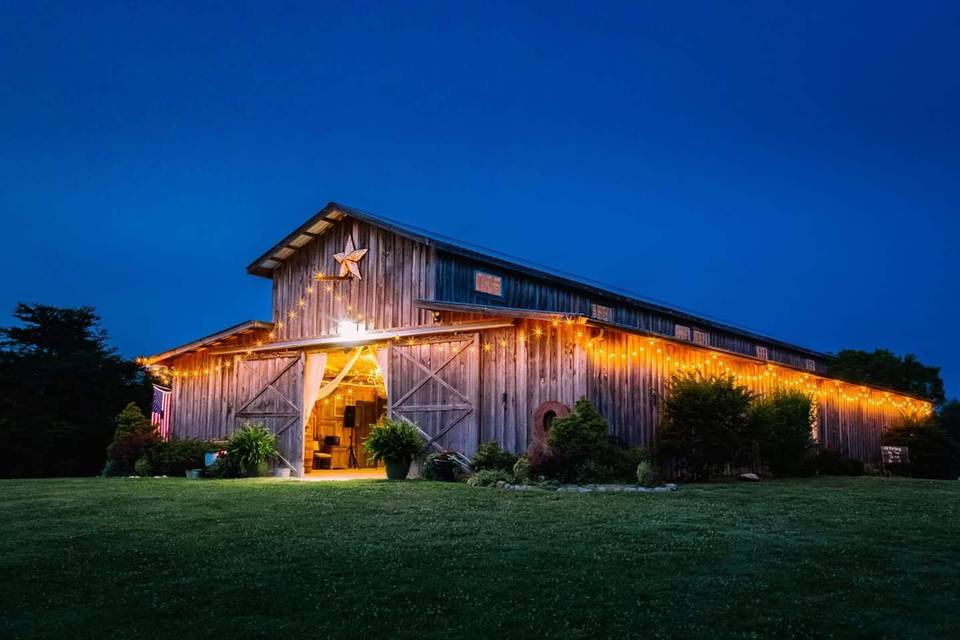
point(368, 337)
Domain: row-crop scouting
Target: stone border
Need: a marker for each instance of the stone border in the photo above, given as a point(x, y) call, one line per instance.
point(588, 488)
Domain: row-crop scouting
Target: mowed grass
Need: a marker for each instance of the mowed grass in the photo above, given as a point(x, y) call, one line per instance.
point(147, 558)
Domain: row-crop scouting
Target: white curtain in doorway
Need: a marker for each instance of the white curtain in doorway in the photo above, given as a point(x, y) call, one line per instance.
point(382, 355)
point(312, 379)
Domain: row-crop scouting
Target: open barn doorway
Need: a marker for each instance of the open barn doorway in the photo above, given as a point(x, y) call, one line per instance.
point(344, 394)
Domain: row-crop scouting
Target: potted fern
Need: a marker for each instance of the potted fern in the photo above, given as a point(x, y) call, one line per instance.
point(251, 448)
point(396, 441)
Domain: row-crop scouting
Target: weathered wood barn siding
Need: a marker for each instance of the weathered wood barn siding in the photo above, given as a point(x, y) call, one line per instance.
point(396, 272)
point(567, 340)
point(455, 283)
point(627, 376)
point(214, 394)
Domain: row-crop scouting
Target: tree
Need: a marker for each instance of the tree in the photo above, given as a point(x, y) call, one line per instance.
point(932, 452)
point(883, 368)
point(61, 385)
point(132, 439)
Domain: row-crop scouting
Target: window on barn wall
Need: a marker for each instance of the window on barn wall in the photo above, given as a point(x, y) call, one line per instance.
point(601, 312)
point(809, 365)
point(762, 353)
point(488, 283)
point(701, 337)
point(681, 332)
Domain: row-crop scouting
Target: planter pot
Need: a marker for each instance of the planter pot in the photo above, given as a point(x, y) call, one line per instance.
point(282, 472)
point(193, 474)
point(257, 471)
point(397, 469)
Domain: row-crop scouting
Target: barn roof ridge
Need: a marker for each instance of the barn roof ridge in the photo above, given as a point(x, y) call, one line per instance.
point(334, 211)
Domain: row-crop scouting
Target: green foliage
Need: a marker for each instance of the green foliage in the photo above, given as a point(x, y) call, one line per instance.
point(490, 456)
point(132, 438)
point(884, 368)
point(395, 439)
point(647, 474)
point(781, 423)
point(251, 446)
point(578, 448)
point(830, 462)
point(61, 385)
point(581, 450)
point(579, 435)
point(591, 470)
point(142, 467)
point(521, 470)
point(442, 466)
point(173, 457)
point(489, 477)
point(224, 467)
point(705, 421)
point(932, 451)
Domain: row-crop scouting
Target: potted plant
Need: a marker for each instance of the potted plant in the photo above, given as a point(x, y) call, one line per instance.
point(251, 448)
point(396, 441)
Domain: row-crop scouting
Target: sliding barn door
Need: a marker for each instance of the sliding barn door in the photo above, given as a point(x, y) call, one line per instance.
point(270, 391)
point(436, 385)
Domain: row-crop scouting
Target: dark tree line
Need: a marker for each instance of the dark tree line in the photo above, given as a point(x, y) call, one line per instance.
point(61, 387)
point(883, 368)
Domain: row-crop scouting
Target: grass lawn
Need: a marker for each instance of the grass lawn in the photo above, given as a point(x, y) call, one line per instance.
point(235, 559)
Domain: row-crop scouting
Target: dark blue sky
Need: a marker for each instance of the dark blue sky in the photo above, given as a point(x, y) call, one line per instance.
point(786, 168)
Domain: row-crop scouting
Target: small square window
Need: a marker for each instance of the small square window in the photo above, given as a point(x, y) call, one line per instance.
point(762, 353)
point(681, 332)
point(701, 338)
point(601, 312)
point(810, 365)
point(488, 283)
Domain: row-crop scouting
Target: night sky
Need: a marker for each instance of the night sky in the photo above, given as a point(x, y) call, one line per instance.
point(786, 168)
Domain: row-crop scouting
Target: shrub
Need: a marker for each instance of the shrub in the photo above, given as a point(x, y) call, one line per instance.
point(573, 440)
point(251, 447)
point(830, 462)
point(705, 421)
point(393, 439)
point(590, 471)
point(489, 477)
point(132, 438)
point(173, 457)
point(781, 424)
point(224, 467)
point(521, 470)
point(490, 456)
point(442, 466)
point(646, 474)
point(932, 450)
point(142, 467)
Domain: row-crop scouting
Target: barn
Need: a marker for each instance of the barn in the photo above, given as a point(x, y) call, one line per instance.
point(371, 317)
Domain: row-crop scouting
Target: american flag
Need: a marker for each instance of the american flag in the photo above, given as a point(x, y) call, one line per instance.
point(160, 413)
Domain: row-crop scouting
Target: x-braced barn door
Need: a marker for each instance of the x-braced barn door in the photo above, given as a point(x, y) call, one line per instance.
point(272, 391)
point(436, 385)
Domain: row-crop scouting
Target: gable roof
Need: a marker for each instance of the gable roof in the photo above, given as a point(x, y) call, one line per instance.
point(334, 212)
point(210, 340)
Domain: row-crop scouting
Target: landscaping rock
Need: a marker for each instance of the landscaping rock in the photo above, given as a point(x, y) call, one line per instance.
point(671, 486)
point(751, 477)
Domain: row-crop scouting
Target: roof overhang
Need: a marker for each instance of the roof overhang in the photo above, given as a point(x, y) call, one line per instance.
point(212, 340)
point(368, 337)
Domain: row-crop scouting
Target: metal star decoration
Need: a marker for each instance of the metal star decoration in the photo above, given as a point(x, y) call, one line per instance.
point(349, 258)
